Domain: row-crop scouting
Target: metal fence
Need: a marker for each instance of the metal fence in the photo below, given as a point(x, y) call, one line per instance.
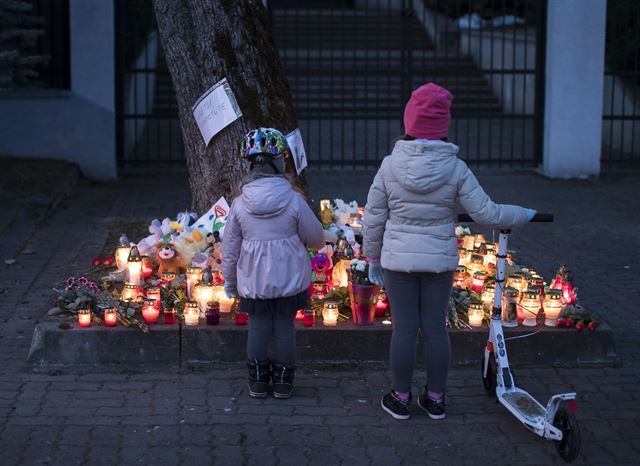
point(621, 115)
point(352, 65)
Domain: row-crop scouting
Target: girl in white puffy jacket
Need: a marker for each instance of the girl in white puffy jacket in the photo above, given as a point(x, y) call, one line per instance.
point(410, 242)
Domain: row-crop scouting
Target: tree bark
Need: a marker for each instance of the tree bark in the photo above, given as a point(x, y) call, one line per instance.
point(205, 41)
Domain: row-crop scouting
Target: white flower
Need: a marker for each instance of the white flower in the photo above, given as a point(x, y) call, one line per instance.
point(360, 266)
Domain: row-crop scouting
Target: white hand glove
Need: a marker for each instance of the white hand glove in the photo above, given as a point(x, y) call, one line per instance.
point(375, 273)
point(531, 213)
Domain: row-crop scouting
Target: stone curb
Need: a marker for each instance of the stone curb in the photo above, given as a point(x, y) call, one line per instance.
point(345, 344)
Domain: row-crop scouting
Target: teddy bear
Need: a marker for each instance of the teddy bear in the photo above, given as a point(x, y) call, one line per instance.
point(160, 231)
point(190, 243)
point(169, 259)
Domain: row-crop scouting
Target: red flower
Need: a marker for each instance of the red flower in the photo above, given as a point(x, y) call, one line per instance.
point(579, 326)
point(568, 322)
point(96, 262)
point(592, 326)
point(107, 261)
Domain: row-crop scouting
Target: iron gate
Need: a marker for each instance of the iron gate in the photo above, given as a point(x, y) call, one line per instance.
point(352, 64)
point(621, 115)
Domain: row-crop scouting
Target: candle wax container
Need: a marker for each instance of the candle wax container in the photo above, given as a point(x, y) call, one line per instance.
point(300, 314)
point(84, 317)
point(309, 318)
point(213, 313)
point(194, 275)
point(110, 317)
point(530, 305)
point(150, 311)
point(476, 314)
point(510, 299)
point(477, 283)
point(191, 314)
point(169, 316)
point(330, 313)
point(241, 318)
point(552, 307)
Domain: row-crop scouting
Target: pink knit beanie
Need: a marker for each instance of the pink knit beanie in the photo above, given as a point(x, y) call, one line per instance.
point(427, 114)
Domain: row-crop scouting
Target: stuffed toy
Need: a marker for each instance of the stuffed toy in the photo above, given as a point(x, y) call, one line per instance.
point(169, 259)
point(214, 251)
point(350, 236)
point(342, 211)
point(160, 231)
point(321, 268)
point(190, 243)
point(183, 220)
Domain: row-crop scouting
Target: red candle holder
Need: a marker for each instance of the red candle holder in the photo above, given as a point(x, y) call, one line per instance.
point(213, 313)
point(300, 314)
point(147, 267)
point(150, 311)
point(309, 318)
point(169, 316)
point(242, 318)
point(153, 293)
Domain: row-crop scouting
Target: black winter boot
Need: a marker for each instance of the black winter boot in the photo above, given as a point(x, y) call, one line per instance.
point(282, 377)
point(259, 375)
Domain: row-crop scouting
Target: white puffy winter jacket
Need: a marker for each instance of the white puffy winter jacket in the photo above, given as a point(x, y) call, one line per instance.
point(410, 216)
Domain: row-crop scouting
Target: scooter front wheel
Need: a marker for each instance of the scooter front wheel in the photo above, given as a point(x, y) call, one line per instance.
point(490, 381)
point(569, 447)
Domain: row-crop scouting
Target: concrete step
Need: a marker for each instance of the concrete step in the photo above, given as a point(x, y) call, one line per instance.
point(175, 345)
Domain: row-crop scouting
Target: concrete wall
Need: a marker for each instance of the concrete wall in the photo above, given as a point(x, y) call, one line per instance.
point(77, 124)
point(574, 88)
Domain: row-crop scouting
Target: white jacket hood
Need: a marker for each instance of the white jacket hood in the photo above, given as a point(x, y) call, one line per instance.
point(266, 197)
point(423, 166)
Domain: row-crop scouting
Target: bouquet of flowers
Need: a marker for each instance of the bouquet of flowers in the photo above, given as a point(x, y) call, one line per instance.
point(359, 272)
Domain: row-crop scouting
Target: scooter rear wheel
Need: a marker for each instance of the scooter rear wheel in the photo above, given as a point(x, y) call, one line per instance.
point(569, 447)
point(490, 381)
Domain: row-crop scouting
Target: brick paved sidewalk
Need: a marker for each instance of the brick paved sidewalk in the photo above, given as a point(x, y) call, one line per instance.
point(191, 417)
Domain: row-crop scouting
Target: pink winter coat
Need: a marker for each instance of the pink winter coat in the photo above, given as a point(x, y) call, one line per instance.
point(265, 240)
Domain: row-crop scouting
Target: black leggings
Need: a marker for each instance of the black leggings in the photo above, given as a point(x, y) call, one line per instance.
point(273, 318)
point(419, 301)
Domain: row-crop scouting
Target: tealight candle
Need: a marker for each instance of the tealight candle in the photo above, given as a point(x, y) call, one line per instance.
point(194, 275)
point(530, 305)
point(552, 307)
point(110, 317)
point(84, 317)
point(510, 299)
point(191, 313)
point(476, 314)
point(330, 313)
point(309, 318)
point(129, 292)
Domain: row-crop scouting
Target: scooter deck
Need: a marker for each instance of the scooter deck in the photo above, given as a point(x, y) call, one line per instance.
point(524, 404)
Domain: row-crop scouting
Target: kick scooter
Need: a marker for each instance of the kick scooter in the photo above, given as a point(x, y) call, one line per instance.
point(557, 420)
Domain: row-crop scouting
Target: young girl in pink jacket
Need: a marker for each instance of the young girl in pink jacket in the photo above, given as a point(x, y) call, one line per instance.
point(265, 260)
point(409, 239)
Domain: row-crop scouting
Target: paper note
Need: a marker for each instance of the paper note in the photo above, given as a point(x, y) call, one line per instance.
point(294, 138)
point(215, 109)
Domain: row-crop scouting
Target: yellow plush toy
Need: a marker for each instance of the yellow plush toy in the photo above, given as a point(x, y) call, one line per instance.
point(190, 243)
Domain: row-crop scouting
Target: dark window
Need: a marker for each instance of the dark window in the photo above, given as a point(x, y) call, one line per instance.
point(53, 43)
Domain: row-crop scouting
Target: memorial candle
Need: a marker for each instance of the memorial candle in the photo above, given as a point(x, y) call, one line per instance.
point(150, 311)
point(194, 275)
point(191, 313)
point(530, 305)
point(552, 307)
point(476, 314)
point(330, 313)
point(84, 317)
point(110, 317)
point(134, 267)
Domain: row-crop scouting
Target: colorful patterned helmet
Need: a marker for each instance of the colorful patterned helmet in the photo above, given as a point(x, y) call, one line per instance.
point(263, 141)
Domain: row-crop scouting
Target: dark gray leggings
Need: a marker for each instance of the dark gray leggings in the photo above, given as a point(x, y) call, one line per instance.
point(419, 301)
point(276, 322)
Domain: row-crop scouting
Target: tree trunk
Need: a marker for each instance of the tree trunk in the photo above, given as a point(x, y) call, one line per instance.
point(205, 41)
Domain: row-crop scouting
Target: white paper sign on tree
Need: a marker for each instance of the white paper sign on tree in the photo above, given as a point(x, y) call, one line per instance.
point(294, 138)
point(215, 109)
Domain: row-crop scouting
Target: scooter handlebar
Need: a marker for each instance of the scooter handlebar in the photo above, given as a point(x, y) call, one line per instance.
point(466, 218)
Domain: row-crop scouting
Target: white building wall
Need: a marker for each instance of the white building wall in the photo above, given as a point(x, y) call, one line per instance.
point(77, 124)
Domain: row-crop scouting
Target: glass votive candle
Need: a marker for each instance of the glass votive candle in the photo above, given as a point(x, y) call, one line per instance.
point(468, 242)
point(129, 292)
point(477, 284)
point(475, 264)
point(194, 275)
point(84, 317)
point(147, 267)
point(134, 267)
point(169, 315)
point(476, 314)
point(154, 294)
point(191, 313)
point(150, 311)
point(478, 241)
point(530, 305)
point(552, 307)
point(110, 317)
point(516, 281)
point(241, 318)
point(167, 278)
point(330, 313)
point(122, 254)
point(461, 277)
point(309, 318)
point(382, 303)
point(213, 313)
point(488, 293)
point(225, 303)
point(300, 314)
point(463, 256)
point(510, 299)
